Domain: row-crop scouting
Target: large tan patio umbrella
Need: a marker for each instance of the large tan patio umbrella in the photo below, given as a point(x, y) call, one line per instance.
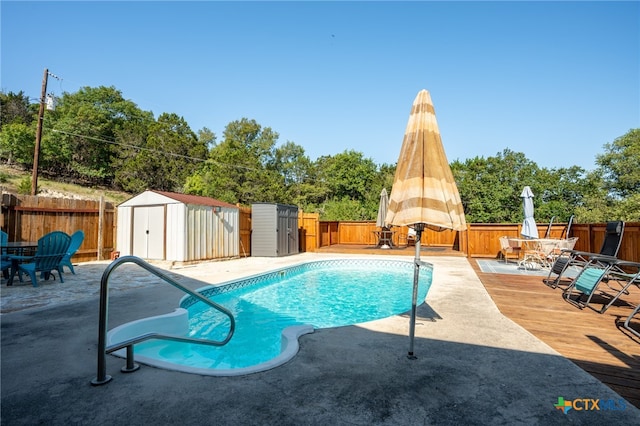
point(424, 193)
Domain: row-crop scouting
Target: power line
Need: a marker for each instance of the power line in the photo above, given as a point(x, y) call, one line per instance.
point(156, 151)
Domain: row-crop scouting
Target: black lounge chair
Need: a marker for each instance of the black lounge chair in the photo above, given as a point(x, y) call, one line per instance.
point(627, 322)
point(603, 271)
point(569, 258)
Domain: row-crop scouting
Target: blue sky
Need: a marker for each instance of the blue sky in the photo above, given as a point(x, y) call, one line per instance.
point(554, 80)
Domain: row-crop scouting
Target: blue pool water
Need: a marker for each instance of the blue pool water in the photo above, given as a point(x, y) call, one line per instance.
point(322, 294)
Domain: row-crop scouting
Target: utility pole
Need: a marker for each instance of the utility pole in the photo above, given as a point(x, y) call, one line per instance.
point(36, 153)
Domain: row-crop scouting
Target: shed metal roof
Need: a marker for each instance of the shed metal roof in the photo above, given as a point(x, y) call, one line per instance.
point(180, 198)
point(195, 199)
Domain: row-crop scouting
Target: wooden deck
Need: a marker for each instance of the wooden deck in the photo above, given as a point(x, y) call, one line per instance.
point(399, 251)
point(595, 342)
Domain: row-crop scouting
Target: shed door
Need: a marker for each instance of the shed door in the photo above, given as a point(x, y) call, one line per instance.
point(148, 232)
point(286, 228)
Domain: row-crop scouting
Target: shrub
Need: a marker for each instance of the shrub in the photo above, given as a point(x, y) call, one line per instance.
point(25, 186)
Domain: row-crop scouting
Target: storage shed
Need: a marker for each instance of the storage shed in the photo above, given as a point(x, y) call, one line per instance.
point(274, 230)
point(158, 225)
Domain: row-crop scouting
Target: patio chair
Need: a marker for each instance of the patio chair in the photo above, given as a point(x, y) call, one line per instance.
point(562, 244)
point(548, 233)
point(411, 237)
point(51, 249)
point(5, 266)
point(408, 239)
point(539, 254)
point(603, 271)
point(568, 258)
point(566, 232)
point(507, 247)
point(4, 259)
point(76, 240)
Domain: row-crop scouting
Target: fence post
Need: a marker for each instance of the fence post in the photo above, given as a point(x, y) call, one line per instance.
point(100, 228)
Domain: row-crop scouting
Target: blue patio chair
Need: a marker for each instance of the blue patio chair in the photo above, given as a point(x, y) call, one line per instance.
point(4, 259)
point(51, 249)
point(76, 240)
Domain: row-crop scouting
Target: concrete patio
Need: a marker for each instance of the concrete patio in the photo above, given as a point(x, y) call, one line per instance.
point(474, 365)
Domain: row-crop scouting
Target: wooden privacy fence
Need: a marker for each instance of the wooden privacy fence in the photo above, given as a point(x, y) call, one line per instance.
point(362, 233)
point(482, 240)
point(27, 218)
point(245, 231)
point(309, 231)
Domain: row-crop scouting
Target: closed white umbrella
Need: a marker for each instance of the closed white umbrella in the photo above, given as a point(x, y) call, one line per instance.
point(382, 208)
point(424, 193)
point(529, 227)
point(382, 213)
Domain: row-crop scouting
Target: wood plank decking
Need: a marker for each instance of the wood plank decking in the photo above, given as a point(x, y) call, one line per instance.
point(595, 342)
point(400, 251)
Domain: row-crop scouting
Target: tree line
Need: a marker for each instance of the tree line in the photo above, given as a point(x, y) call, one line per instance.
point(96, 137)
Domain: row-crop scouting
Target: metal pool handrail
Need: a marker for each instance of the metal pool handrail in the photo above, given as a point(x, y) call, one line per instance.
point(103, 350)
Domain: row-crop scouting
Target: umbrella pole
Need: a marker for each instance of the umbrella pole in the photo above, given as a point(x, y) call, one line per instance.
point(414, 300)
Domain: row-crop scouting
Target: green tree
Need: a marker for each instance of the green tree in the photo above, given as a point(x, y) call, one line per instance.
point(79, 141)
point(207, 137)
point(130, 169)
point(490, 188)
point(627, 209)
point(348, 175)
point(595, 205)
point(241, 168)
point(297, 172)
point(613, 189)
point(343, 209)
point(17, 129)
point(560, 192)
point(348, 179)
point(385, 176)
point(478, 189)
point(16, 108)
point(17, 142)
point(172, 153)
point(619, 165)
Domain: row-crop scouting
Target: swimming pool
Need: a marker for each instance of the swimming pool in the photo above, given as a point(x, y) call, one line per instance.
point(272, 310)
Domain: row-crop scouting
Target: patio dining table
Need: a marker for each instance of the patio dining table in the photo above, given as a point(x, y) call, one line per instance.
point(19, 247)
point(385, 238)
point(538, 252)
point(17, 251)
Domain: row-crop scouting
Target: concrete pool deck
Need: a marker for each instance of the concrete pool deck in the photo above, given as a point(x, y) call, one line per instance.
point(474, 365)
